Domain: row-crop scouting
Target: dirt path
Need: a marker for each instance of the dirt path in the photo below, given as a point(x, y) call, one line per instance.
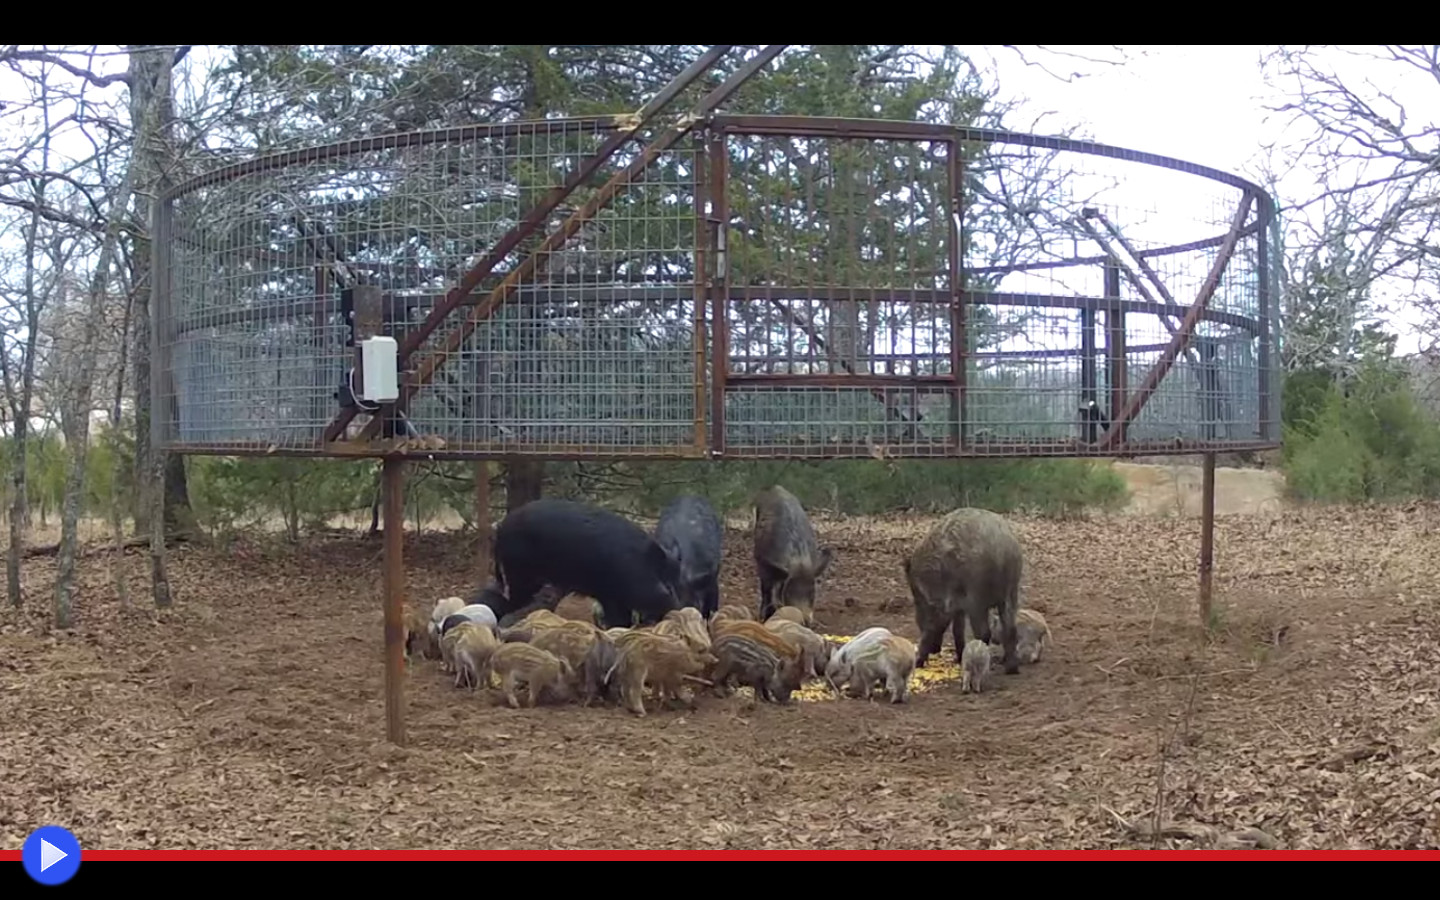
point(1175, 489)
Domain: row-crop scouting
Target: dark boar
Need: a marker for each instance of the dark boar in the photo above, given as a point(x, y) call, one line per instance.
point(491, 595)
point(787, 555)
point(968, 564)
point(690, 532)
point(579, 548)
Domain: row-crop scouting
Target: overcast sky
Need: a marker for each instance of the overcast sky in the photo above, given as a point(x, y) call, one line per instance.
point(1203, 104)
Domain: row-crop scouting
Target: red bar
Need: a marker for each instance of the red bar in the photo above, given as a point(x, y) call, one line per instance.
point(736, 855)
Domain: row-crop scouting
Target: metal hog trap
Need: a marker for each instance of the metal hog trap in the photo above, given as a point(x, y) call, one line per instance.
point(712, 285)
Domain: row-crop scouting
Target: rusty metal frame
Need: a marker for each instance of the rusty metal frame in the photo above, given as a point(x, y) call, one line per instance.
point(460, 451)
point(532, 222)
point(1136, 401)
point(617, 184)
point(719, 286)
point(713, 295)
point(959, 313)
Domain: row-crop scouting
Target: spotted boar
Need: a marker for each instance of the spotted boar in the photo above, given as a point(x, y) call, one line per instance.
point(568, 642)
point(974, 666)
point(837, 671)
point(661, 661)
point(471, 654)
point(761, 635)
point(773, 676)
point(538, 670)
point(688, 624)
point(787, 614)
point(889, 659)
point(1033, 635)
point(451, 640)
point(814, 650)
point(731, 611)
point(420, 639)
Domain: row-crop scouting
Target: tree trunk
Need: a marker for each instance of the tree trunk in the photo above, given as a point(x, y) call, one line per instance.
point(150, 88)
point(76, 424)
point(159, 571)
point(524, 480)
point(160, 477)
point(17, 521)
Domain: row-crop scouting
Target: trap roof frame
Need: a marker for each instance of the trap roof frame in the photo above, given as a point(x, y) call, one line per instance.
point(715, 299)
point(711, 290)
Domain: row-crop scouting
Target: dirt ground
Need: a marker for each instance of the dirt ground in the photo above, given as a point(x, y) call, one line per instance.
point(1175, 489)
point(251, 714)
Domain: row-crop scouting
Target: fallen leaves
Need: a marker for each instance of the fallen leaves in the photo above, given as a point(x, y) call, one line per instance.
point(252, 715)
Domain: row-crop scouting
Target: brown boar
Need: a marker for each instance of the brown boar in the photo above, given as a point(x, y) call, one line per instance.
point(1033, 635)
point(889, 659)
point(787, 614)
point(837, 672)
point(814, 650)
point(686, 623)
point(446, 608)
point(472, 652)
point(974, 666)
point(419, 638)
point(570, 644)
point(663, 662)
point(450, 640)
point(773, 676)
point(543, 618)
point(788, 558)
point(537, 669)
point(761, 635)
point(730, 612)
point(969, 563)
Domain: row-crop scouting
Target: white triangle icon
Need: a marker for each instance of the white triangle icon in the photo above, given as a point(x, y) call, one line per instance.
point(50, 854)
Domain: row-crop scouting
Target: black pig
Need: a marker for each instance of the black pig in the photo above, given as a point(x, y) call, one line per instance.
point(583, 549)
point(690, 532)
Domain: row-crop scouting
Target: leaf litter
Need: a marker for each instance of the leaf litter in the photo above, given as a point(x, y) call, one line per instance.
point(251, 714)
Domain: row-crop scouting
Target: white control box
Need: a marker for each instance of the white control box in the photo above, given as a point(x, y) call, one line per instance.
point(379, 370)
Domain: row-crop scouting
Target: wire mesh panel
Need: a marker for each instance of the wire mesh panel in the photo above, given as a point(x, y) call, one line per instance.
point(593, 352)
point(768, 286)
point(896, 289)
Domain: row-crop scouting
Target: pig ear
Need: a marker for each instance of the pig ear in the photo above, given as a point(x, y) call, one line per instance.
point(826, 555)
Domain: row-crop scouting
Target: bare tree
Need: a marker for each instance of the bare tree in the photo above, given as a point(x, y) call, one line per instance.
point(48, 194)
point(1366, 132)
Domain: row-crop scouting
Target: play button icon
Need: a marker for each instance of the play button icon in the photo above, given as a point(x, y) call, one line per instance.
point(51, 855)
